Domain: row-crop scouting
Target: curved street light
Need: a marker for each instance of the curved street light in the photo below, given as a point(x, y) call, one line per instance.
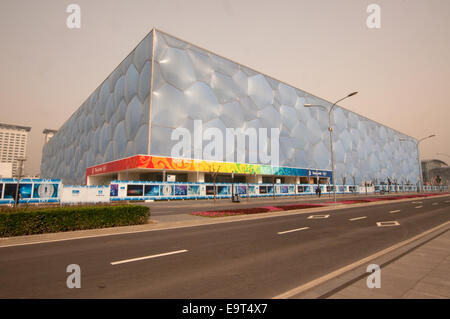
point(330, 128)
point(443, 154)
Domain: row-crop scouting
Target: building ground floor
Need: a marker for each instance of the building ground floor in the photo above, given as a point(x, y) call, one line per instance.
point(35, 191)
point(168, 169)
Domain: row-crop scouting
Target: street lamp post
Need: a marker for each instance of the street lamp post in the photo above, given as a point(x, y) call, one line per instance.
point(19, 176)
point(418, 158)
point(330, 129)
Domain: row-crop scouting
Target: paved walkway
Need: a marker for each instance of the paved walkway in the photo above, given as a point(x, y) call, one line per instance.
point(422, 273)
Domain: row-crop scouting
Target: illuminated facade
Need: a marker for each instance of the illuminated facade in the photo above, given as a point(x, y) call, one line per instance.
point(13, 145)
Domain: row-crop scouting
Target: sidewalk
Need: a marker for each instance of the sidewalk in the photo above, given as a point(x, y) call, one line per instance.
point(422, 273)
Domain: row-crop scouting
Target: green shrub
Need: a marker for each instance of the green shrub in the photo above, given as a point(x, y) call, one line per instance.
point(59, 219)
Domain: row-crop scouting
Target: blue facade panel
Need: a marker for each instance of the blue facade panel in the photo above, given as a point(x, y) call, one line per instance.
point(112, 123)
point(190, 83)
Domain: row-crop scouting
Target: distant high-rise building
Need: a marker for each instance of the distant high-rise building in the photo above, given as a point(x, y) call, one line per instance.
point(13, 144)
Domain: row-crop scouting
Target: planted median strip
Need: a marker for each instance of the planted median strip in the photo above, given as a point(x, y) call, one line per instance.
point(254, 210)
point(61, 219)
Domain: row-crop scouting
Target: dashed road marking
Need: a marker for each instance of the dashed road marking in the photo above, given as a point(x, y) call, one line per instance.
point(318, 216)
point(148, 257)
point(357, 218)
point(418, 206)
point(417, 202)
point(388, 223)
point(292, 230)
point(394, 211)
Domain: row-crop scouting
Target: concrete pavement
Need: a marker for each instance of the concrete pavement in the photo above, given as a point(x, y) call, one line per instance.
point(423, 273)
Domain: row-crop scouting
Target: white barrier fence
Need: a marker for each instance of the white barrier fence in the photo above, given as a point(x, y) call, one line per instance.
point(85, 194)
point(52, 191)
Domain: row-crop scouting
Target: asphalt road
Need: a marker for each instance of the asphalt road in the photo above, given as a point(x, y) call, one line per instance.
point(246, 259)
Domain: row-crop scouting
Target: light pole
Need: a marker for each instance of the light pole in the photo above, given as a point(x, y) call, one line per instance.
point(19, 176)
point(330, 128)
point(418, 158)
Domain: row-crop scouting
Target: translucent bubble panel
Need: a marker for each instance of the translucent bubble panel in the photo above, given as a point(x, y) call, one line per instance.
point(166, 83)
point(225, 94)
point(111, 124)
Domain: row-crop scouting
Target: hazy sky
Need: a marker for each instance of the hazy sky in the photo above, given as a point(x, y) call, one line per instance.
point(402, 70)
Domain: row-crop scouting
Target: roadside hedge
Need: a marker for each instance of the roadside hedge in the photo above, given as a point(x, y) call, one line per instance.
point(60, 219)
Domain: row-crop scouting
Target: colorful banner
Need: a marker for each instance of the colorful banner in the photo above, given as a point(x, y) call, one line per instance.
point(192, 165)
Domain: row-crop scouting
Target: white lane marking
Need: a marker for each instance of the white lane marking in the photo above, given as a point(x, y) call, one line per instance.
point(417, 202)
point(357, 218)
point(318, 216)
point(394, 211)
point(434, 203)
point(389, 223)
point(447, 201)
point(148, 257)
point(418, 206)
point(292, 230)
